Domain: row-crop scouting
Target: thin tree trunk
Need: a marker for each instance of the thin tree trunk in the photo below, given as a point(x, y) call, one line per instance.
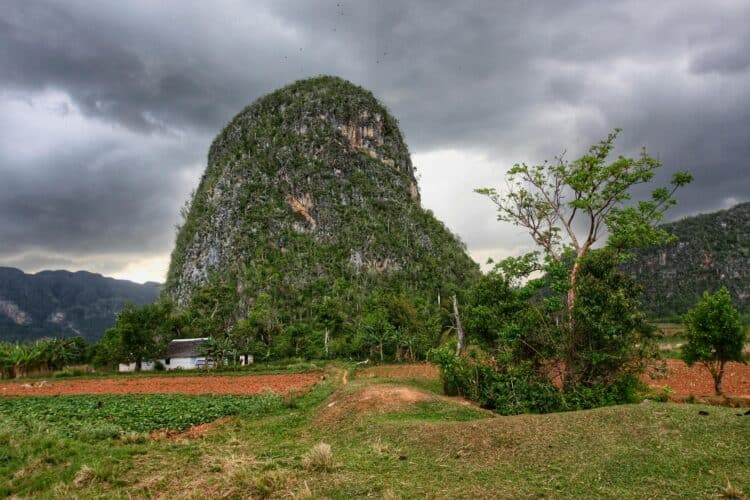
point(459, 327)
point(381, 351)
point(572, 348)
point(138, 364)
point(325, 342)
point(718, 378)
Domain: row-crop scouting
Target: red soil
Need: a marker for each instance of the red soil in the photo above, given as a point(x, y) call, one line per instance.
point(206, 384)
point(696, 380)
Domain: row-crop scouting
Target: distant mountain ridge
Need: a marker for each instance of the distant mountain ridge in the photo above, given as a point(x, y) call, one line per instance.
point(64, 303)
point(712, 250)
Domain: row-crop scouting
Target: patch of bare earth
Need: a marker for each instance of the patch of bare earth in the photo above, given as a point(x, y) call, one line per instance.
point(195, 432)
point(696, 380)
point(416, 370)
point(204, 384)
point(371, 399)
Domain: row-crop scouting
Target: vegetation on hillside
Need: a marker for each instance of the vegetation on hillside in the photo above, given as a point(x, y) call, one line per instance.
point(710, 251)
point(306, 235)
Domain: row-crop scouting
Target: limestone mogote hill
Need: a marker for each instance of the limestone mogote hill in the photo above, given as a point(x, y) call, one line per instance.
point(309, 194)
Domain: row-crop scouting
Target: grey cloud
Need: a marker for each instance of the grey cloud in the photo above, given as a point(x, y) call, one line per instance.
point(516, 81)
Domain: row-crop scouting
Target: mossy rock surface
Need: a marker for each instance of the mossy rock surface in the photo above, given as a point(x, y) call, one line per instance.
point(308, 192)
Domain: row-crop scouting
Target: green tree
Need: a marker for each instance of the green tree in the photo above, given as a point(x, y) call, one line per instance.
point(379, 333)
point(139, 334)
point(332, 317)
point(715, 335)
point(567, 206)
point(257, 333)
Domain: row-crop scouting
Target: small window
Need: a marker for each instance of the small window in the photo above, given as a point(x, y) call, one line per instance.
point(166, 361)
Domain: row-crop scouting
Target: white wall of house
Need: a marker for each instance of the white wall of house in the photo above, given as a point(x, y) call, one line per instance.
point(177, 364)
point(184, 363)
point(146, 366)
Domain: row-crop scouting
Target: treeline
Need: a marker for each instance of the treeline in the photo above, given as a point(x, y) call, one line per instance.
point(379, 326)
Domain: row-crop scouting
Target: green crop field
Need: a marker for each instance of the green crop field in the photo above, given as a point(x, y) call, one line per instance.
point(389, 438)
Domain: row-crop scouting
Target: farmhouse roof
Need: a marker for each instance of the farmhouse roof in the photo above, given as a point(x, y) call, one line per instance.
point(185, 348)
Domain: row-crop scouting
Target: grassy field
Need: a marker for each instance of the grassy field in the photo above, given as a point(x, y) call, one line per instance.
point(389, 438)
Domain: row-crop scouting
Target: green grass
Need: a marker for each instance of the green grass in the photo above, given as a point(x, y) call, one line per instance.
point(431, 448)
point(113, 416)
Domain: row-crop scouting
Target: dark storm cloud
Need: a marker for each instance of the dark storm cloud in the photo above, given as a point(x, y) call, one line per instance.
point(510, 81)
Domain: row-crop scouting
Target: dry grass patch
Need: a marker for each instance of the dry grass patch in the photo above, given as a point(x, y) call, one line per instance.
point(417, 370)
point(319, 458)
point(85, 476)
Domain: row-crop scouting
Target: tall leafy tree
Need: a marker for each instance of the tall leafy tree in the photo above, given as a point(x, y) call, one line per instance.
point(715, 335)
point(568, 206)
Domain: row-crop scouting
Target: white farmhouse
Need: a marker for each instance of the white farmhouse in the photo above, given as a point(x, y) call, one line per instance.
point(183, 354)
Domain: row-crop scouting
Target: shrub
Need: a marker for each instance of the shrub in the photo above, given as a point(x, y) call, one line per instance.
point(509, 390)
point(513, 388)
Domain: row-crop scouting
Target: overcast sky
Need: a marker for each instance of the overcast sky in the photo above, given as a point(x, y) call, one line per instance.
point(107, 109)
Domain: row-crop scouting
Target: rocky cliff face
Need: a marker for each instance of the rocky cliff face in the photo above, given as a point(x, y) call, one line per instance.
point(307, 189)
point(712, 250)
point(61, 303)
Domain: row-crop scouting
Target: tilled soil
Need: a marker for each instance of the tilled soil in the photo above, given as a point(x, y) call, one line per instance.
point(205, 384)
point(696, 380)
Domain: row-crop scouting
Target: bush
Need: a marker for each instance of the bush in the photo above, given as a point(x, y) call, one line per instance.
point(508, 390)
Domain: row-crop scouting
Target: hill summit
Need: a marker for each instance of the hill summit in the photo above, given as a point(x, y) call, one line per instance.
point(308, 193)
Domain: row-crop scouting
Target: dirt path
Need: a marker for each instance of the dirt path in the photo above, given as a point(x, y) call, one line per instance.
point(208, 384)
